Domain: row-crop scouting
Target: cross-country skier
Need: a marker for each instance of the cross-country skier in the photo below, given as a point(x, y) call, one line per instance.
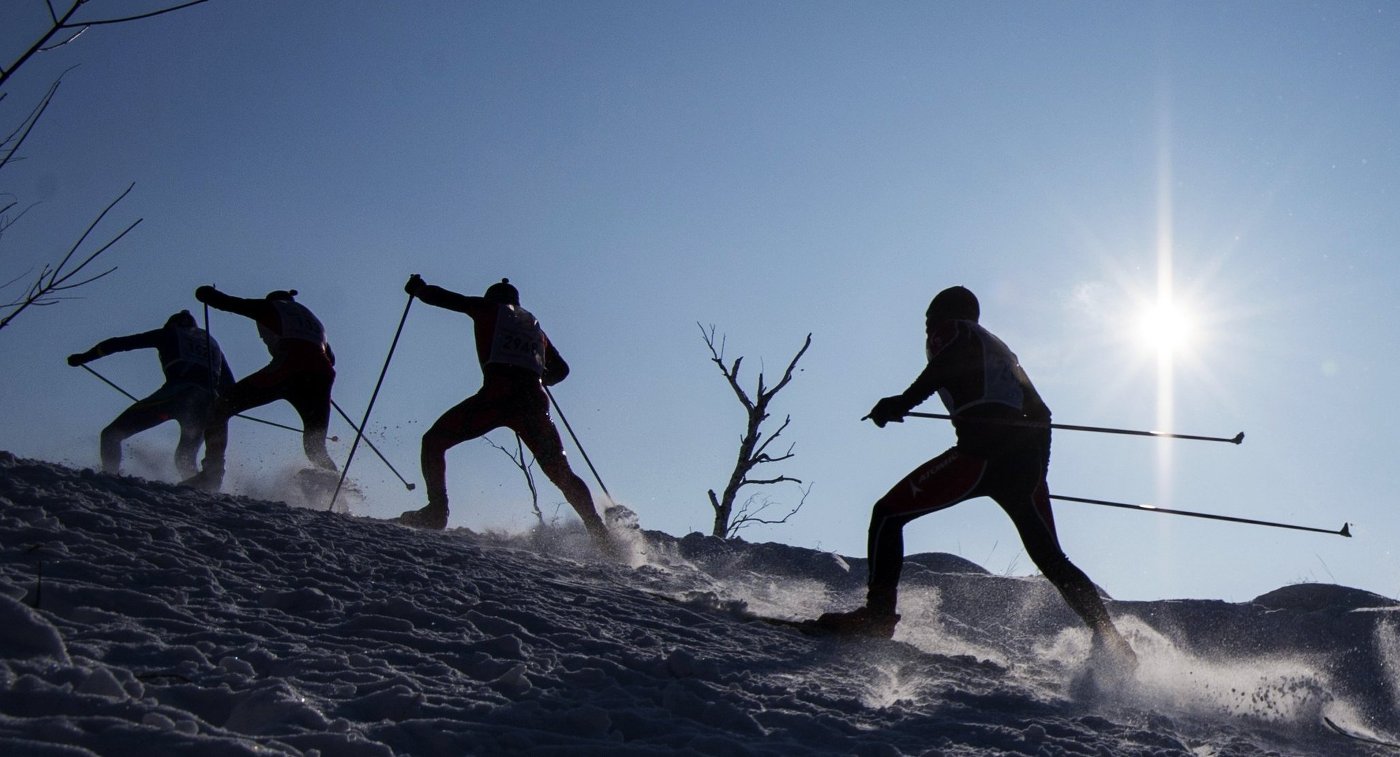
point(1002, 452)
point(195, 370)
point(301, 372)
point(517, 362)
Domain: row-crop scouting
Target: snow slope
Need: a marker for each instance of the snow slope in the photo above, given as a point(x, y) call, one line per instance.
point(142, 618)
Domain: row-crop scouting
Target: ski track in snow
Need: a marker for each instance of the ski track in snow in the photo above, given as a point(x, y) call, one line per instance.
point(140, 618)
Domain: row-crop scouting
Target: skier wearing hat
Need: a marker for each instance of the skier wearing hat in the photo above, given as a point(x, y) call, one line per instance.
point(1002, 452)
point(301, 372)
point(517, 362)
point(195, 370)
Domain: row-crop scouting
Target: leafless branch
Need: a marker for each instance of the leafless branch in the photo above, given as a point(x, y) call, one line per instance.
point(6, 221)
point(774, 480)
point(138, 17)
point(10, 145)
point(753, 444)
point(53, 279)
point(66, 22)
point(64, 41)
point(518, 458)
point(749, 515)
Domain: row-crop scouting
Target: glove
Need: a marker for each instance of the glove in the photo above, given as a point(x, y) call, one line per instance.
point(415, 285)
point(890, 410)
point(204, 293)
point(79, 358)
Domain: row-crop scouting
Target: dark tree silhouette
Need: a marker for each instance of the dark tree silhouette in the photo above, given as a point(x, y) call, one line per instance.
point(55, 281)
point(517, 458)
point(753, 446)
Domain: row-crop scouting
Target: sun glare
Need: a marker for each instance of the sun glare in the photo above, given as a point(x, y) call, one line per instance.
point(1164, 327)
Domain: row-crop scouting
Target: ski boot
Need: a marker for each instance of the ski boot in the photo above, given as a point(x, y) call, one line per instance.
point(858, 622)
point(211, 479)
point(432, 517)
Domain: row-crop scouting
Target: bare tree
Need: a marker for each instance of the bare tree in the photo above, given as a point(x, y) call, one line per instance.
point(53, 281)
point(518, 458)
point(753, 445)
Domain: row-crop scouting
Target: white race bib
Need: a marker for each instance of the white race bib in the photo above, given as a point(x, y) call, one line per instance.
point(195, 347)
point(299, 323)
point(518, 340)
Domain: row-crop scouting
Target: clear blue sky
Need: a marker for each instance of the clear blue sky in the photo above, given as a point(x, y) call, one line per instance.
point(773, 169)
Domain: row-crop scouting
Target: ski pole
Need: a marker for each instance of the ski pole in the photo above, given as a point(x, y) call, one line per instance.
point(1345, 530)
point(104, 380)
point(371, 446)
point(1236, 439)
point(574, 436)
point(209, 354)
point(359, 433)
point(133, 398)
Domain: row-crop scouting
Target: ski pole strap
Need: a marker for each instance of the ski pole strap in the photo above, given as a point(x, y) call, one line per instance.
point(1236, 439)
point(1345, 530)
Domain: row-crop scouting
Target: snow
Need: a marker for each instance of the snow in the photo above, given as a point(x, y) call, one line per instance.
point(138, 617)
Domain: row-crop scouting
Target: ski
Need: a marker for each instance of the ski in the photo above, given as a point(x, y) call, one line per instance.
point(807, 627)
point(1356, 736)
point(710, 603)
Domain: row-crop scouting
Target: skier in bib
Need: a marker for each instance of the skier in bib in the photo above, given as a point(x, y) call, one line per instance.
point(517, 362)
point(1002, 452)
point(195, 371)
point(301, 372)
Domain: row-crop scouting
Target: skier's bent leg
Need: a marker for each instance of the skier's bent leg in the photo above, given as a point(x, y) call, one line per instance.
point(111, 445)
point(1029, 513)
point(466, 420)
point(191, 436)
point(433, 460)
point(939, 483)
point(135, 419)
point(315, 415)
point(539, 434)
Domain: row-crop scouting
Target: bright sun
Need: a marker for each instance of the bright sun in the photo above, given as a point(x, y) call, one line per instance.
point(1164, 326)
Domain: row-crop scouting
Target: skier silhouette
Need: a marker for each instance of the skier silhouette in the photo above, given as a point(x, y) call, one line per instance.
point(517, 362)
point(195, 371)
point(1002, 452)
point(301, 372)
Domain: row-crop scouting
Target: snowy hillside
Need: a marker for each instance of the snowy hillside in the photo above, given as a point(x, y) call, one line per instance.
point(140, 618)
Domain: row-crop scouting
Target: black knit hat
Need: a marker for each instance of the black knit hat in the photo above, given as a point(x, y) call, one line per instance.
point(954, 304)
point(503, 292)
point(182, 319)
point(281, 294)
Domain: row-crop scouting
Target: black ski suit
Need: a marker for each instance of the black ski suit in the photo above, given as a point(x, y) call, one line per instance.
point(195, 372)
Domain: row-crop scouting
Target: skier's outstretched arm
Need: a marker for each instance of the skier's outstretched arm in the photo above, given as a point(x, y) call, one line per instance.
point(140, 341)
point(444, 298)
point(255, 309)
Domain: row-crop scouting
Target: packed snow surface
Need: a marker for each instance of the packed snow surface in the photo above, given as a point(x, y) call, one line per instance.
point(141, 618)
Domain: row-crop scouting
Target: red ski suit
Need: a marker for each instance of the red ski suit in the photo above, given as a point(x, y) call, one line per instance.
point(517, 362)
point(302, 372)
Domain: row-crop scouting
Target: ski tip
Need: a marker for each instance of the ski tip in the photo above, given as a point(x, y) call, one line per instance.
point(1239, 438)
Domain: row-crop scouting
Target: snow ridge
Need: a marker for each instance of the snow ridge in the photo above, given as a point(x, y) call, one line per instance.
point(138, 617)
